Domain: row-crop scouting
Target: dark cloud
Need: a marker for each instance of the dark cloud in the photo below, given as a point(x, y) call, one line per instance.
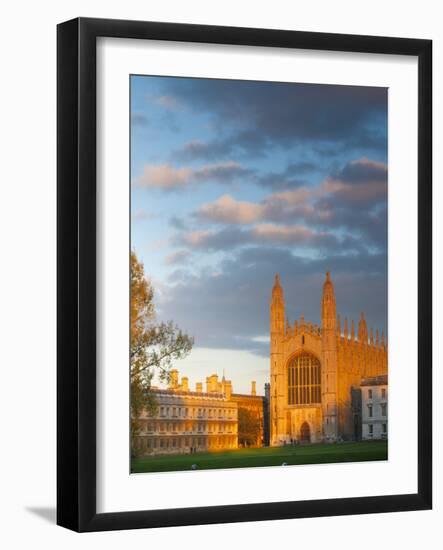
point(230, 308)
point(212, 150)
point(263, 115)
point(352, 202)
point(288, 178)
point(363, 171)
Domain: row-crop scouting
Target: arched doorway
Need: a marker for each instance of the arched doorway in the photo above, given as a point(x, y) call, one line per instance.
point(305, 433)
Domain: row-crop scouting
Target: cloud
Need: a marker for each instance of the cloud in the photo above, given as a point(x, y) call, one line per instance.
point(229, 238)
point(139, 119)
point(252, 118)
point(363, 170)
point(168, 178)
point(227, 210)
point(293, 234)
point(352, 200)
point(164, 176)
point(361, 180)
point(166, 101)
point(197, 149)
point(178, 257)
point(230, 310)
point(141, 215)
point(290, 177)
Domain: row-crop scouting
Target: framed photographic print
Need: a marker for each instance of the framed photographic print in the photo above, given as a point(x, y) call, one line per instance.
point(244, 274)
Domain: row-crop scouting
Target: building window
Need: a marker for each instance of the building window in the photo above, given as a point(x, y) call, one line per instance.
point(304, 382)
point(383, 393)
point(371, 429)
point(370, 411)
point(383, 409)
point(384, 428)
point(369, 394)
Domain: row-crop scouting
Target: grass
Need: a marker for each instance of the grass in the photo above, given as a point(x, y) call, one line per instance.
point(266, 456)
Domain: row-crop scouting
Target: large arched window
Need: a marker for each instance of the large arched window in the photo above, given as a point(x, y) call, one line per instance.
point(304, 382)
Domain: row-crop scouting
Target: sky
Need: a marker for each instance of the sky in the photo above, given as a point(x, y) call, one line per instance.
point(235, 181)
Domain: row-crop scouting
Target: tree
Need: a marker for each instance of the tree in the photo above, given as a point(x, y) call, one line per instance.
point(248, 427)
point(154, 345)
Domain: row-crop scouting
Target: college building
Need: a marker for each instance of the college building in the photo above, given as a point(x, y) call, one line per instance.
point(187, 421)
point(314, 371)
point(374, 407)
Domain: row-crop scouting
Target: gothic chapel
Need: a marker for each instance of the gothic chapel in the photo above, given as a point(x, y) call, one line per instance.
point(314, 370)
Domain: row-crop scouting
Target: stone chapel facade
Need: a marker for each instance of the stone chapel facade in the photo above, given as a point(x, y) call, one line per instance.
point(314, 370)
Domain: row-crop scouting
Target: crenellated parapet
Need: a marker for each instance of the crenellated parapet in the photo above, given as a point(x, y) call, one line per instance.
point(300, 327)
point(362, 353)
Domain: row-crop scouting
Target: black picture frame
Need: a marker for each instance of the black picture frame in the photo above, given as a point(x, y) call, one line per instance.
point(76, 280)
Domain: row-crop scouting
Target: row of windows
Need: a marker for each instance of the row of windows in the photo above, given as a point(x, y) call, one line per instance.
point(179, 443)
point(304, 380)
point(384, 429)
point(175, 427)
point(187, 412)
point(383, 407)
point(371, 393)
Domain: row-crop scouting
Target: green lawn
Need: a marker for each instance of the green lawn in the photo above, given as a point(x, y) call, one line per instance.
point(266, 456)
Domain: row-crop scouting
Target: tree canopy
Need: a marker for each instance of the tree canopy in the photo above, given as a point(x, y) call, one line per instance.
point(154, 344)
point(248, 427)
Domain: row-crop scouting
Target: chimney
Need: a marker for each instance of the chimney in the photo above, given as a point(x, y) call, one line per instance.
point(212, 385)
point(227, 389)
point(173, 379)
point(185, 383)
point(253, 388)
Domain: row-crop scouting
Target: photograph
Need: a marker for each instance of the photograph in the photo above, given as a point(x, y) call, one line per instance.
point(258, 273)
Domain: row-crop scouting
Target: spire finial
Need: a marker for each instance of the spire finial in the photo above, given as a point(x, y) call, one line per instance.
point(277, 290)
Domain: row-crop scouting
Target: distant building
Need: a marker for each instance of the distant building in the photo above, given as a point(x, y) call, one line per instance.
point(188, 421)
point(374, 407)
point(255, 404)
